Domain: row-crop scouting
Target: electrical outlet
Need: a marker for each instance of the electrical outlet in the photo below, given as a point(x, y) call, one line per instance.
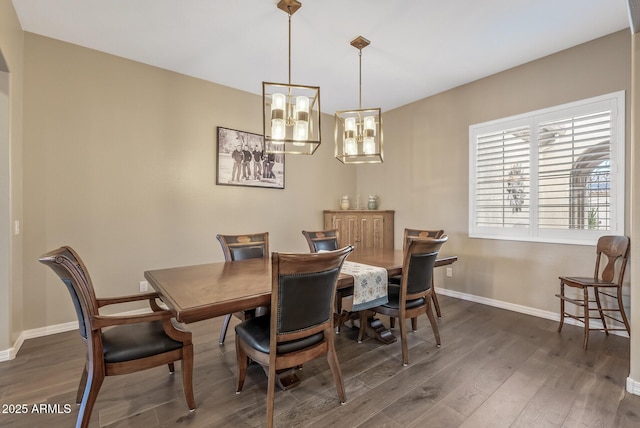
point(16, 227)
point(449, 272)
point(144, 286)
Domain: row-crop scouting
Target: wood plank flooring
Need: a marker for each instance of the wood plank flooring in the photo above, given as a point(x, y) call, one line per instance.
point(495, 368)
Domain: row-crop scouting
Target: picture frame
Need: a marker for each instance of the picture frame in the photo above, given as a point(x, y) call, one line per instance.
point(241, 161)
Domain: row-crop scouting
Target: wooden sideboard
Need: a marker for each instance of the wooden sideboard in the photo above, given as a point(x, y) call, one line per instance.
point(362, 228)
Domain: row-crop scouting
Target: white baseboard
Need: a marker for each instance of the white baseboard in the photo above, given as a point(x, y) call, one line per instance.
point(10, 354)
point(519, 308)
point(633, 386)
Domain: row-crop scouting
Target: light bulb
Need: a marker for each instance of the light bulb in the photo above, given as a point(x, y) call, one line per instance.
point(278, 129)
point(350, 147)
point(370, 123)
point(301, 130)
point(278, 103)
point(350, 124)
point(369, 146)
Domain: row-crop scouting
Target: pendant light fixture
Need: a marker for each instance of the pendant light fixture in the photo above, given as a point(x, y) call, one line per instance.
point(358, 133)
point(291, 113)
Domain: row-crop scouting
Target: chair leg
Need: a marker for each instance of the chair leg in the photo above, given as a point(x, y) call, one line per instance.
point(225, 326)
point(600, 312)
point(332, 358)
point(94, 382)
point(392, 322)
point(434, 297)
point(403, 339)
point(414, 323)
point(338, 310)
point(187, 375)
point(243, 362)
point(271, 394)
point(561, 306)
point(586, 316)
point(434, 324)
point(83, 383)
point(172, 368)
point(622, 312)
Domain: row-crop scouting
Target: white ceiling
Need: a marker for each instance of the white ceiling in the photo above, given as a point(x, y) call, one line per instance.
point(418, 47)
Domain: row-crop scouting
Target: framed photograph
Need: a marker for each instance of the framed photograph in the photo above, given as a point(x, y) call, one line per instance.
point(241, 161)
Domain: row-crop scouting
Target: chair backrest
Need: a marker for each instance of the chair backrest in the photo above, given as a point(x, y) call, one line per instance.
point(247, 246)
point(322, 240)
point(419, 260)
point(419, 233)
point(66, 263)
point(615, 248)
point(303, 292)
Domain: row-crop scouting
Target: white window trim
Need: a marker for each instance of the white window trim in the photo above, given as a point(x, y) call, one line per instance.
point(616, 103)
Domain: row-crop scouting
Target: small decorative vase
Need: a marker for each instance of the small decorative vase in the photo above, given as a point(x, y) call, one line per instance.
point(373, 202)
point(344, 202)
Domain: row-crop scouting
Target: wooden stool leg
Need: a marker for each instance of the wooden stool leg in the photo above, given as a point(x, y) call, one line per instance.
point(586, 316)
point(600, 312)
point(622, 312)
point(561, 306)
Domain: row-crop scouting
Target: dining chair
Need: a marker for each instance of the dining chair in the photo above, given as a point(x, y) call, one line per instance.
point(394, 281)
point(413, 296)
point(300, 325)
point(131, 343)
point(606, 283)
point(242, 247)
point(322, 240)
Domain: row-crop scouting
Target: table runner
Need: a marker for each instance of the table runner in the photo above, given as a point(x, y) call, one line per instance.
point(369, 285)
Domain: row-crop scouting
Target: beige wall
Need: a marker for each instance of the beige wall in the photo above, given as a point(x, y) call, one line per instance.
point(120, 164)
point(426, 155)
point(11, 50)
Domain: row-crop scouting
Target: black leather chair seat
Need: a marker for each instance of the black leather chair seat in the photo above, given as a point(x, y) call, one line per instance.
point(255, 332)
point(133, 341)
point(394, 297)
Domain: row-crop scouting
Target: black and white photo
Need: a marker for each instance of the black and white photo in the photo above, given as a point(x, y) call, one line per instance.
point(241, 161)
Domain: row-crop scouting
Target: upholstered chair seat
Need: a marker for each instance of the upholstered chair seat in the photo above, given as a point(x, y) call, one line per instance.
point(130, 342)
point(255, 332)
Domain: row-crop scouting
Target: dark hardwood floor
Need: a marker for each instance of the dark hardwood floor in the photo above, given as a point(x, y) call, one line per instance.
point(495, 368)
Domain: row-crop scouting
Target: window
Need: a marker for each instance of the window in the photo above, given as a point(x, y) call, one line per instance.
point(553, 175)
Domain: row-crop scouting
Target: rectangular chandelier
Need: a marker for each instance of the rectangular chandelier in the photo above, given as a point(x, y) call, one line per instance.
point(358, 136)
point(358, 133)
point(291, 118)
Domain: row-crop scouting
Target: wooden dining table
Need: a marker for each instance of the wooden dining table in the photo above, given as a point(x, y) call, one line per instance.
point(200, 292)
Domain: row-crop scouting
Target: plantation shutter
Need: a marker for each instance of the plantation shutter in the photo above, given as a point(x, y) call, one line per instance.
point(574, 180)
point(502, 178)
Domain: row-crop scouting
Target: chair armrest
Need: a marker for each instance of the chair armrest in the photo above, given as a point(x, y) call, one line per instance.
point(126, 299)
point(102, 321)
